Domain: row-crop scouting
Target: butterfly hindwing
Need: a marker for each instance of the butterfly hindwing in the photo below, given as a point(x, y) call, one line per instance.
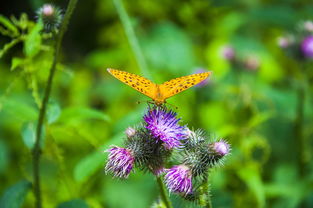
point(175, 86)
point(137, 82)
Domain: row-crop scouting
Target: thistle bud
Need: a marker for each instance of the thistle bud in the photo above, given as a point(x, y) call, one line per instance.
point(50, 16)
point(221, 148)
point(130, 132)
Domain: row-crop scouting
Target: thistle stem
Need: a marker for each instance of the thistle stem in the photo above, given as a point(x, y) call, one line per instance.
point(163, 194)
point(205, 197)
point(131, 36)
point(42, 111)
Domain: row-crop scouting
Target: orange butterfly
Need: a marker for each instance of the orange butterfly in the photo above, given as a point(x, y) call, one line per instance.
point(158, 92)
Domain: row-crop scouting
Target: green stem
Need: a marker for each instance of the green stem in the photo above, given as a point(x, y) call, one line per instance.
point(132, 39)
point(205, 197)
point(42, 112)
point(163, 194)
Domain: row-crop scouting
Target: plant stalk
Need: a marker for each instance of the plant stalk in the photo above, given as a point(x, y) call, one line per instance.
point(131, 36)
point(42, 111)
point(163, 194)
point(205, 197)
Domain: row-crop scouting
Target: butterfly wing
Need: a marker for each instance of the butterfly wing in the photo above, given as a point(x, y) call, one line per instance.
point(137, 82)
point(175, 86)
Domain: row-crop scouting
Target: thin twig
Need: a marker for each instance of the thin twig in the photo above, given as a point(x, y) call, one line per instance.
point(42, 112)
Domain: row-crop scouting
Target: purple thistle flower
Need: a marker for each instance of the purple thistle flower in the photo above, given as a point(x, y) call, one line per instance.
point(178, 179)
point(221, 148)
point(120, 162)
point(163, 125)
point(307, 46)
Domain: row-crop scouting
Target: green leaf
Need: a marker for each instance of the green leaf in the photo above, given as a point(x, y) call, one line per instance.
point(21, 110)
point(53, 112)
point(14, 196)
point(16, 62)
point(77, 114)
point(7, 23)
point(75, 203)
point(33, 41)
point(29, 134)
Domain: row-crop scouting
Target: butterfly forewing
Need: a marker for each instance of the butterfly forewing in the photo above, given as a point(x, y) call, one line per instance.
point(175, 86)
point(137, 82)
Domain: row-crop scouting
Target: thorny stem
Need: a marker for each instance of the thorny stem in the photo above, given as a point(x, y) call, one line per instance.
point(131, 36)
point(205, 197)
point(42, 112)
point(163, 193)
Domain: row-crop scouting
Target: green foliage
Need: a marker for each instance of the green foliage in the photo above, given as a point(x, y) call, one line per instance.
point(256, 111)
point(76, 203)
point(14, 196)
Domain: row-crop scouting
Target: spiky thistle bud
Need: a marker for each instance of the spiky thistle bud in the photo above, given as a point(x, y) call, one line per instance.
point(130, 132)
point(149, 154)
point(120, 162)
point(50, 16)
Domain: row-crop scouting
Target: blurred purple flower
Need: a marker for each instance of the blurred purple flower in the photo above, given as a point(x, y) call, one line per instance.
point(307, 46)
point(163, 125)
point(252, 62)
point(283, 42)
point(228, 53)
point(120, 162)
point(221, 147)
point(178, 179)
point(308, 26)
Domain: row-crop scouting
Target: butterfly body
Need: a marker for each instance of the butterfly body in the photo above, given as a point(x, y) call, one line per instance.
point(158, 92)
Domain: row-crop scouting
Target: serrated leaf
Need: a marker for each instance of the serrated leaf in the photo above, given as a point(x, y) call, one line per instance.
point(53, 112)
point(16, 62)
point(14, 196)
point(29, 134)
point(7, 23)
point(75, 203)
point(77, 114)
point(33, 41)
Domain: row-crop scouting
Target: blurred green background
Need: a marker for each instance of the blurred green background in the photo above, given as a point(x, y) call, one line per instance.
point(259, 111)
